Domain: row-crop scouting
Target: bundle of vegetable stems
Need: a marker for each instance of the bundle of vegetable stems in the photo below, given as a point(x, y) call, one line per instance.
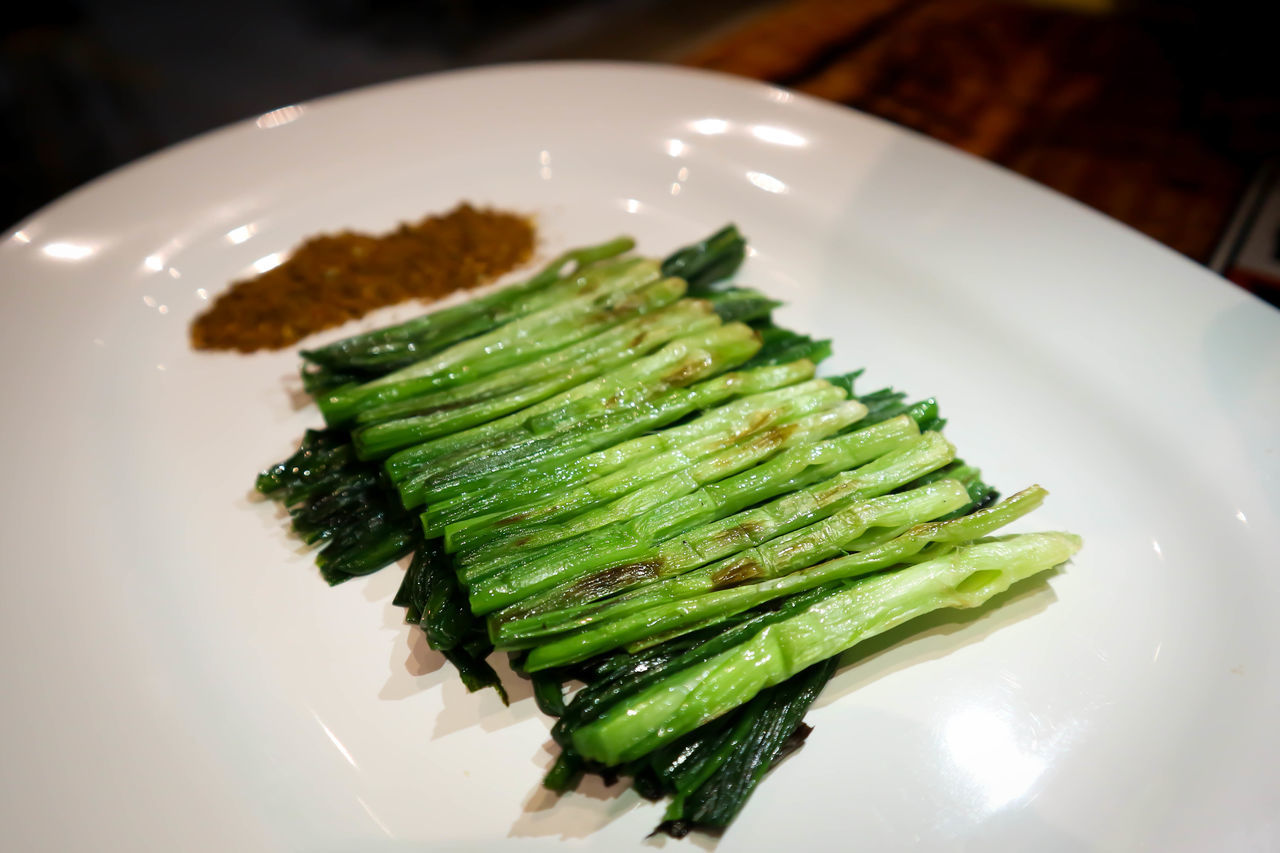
point(625, 475)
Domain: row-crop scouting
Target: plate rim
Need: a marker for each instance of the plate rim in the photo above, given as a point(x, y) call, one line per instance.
point(187, 146)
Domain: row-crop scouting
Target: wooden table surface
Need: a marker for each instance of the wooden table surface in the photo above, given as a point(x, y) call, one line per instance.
point(1096, 106)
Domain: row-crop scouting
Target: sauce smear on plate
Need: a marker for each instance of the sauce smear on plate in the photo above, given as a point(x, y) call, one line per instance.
point(333, 278)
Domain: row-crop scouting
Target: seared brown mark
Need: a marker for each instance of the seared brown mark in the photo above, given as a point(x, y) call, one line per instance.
point(836, 492)
point(615, 578)
point(774, 437)
point(764, 443)
point(685, 373)
point(638, 340)
point(738, 572)
point(525, 515)
point(515, 518)
point(742, 533)
point(757, 422)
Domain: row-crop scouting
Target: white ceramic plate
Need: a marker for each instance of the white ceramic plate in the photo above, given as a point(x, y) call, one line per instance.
point(176, 677)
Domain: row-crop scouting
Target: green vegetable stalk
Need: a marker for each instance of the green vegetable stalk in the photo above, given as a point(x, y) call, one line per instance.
point(623, 472)
point(679, 703)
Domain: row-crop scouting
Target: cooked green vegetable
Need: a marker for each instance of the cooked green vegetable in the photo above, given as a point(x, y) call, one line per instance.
point(705, 264)
point(640, 489)
point(618, 558)
point(679, 703)
point(493, 503)
point(794, 551)
point(684, 600)
point(386, 429)
point(363, 357)
point(607, 297)
point(623, 473)
point(685, 360)
point(710, 781)
point(640, 538)
point(537, 442)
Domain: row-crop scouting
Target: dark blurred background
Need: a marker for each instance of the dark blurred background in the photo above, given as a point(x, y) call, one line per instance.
point(1164, 115)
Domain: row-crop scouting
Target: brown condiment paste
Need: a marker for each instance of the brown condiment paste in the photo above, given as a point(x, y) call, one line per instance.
point(334, 278)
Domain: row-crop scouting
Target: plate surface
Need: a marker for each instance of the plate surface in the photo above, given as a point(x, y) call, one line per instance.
point(176, 676)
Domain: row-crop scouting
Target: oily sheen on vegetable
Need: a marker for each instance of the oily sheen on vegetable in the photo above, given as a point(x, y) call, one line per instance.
point(625, 475)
